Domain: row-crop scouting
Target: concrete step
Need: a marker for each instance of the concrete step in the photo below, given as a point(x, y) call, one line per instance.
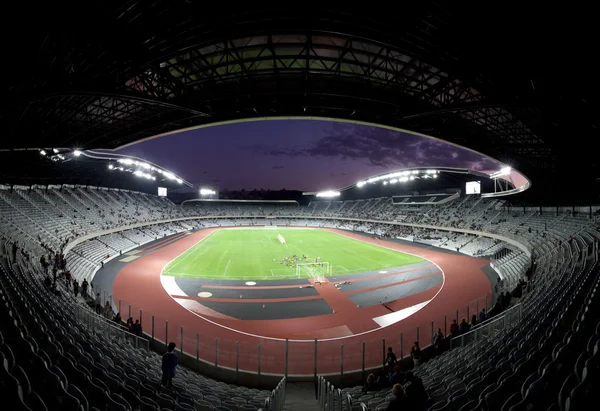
point(300, 396)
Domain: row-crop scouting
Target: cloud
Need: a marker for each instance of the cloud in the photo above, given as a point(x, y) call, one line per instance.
point(278, 167)
point(382, 148)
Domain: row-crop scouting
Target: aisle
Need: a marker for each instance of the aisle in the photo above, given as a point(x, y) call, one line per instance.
point(300, 396)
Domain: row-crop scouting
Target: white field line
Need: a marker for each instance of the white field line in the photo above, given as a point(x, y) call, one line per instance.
point(325, 339)
point(226, 268)
point(188, 252)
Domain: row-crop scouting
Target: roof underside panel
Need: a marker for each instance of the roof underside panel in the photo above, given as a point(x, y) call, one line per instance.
point(140, 69)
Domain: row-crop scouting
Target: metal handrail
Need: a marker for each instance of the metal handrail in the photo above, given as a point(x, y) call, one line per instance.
point(95, 321)
point(504, 320)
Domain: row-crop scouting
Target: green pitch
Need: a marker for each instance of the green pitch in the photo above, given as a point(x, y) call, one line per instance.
point(257, 253)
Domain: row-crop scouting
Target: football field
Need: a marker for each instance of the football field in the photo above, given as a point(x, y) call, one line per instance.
point(273, 253)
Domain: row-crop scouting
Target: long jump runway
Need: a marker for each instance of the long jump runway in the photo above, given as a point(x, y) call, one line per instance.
point(400, 305)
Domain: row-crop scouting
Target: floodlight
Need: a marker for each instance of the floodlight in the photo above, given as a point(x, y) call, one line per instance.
point(43, 152)
point(55, 151)
point(504, 171)
point(327, 194)
point(77, 153)
point(207, 192)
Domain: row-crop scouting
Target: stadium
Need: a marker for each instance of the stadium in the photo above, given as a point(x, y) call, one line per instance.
point(436, 247)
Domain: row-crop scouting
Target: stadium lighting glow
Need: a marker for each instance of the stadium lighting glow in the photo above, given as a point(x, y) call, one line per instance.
point(207, 192)
point(328, 194)
point(146, 167)
point(43, 152)
point(504, 171)
point(397, 176)
point(140, 173)
point(110, 166)
point(77, 153)
point(55, 151)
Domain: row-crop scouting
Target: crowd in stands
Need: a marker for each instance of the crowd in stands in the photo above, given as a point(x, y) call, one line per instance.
point(40, 225)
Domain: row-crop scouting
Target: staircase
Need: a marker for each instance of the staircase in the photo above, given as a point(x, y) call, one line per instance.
point(300, 396)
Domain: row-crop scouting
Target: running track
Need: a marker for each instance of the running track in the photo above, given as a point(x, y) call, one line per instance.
point(465, 287)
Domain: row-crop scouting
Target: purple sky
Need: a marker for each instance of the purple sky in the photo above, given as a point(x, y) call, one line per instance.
point(297, 154)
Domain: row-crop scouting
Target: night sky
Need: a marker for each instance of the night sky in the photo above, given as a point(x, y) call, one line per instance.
point(297, 154)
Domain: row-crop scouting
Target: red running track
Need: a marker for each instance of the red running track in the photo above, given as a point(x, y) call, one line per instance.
point(465, 290)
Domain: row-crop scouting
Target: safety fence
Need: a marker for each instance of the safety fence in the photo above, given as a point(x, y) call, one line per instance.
point(109, 328)
point(489, 328)
point(218, 346)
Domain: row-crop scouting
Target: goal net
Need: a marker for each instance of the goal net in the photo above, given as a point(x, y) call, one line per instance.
point(316, 271)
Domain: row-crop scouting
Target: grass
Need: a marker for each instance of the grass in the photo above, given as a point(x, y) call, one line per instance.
point(256, 253)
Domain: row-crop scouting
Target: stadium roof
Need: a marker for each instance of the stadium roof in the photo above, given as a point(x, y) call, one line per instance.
point(76, 167)
point(423, 179)
point(493, 81)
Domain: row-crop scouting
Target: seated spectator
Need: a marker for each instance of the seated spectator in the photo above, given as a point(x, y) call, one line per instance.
point(370, 384)
point(397, 377)
point(415, 392)
point(399, 402)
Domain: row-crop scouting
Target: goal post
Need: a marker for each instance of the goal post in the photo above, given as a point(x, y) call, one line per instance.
point(316, 271)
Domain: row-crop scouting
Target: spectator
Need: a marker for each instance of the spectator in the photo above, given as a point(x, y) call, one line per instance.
point(438, 341)
point(169, 365)
point(137, 328)
point(473, 320)
point(370, 384)
point(399, 401)
point(108, 312)
point(454, 330)
point(98, 304)
point(390, 361)
point(397, 377)
point(117, 318)
point(482, 315)
point(415, 392)
point(415, 354)
point(84, 288)
point(464, 326)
